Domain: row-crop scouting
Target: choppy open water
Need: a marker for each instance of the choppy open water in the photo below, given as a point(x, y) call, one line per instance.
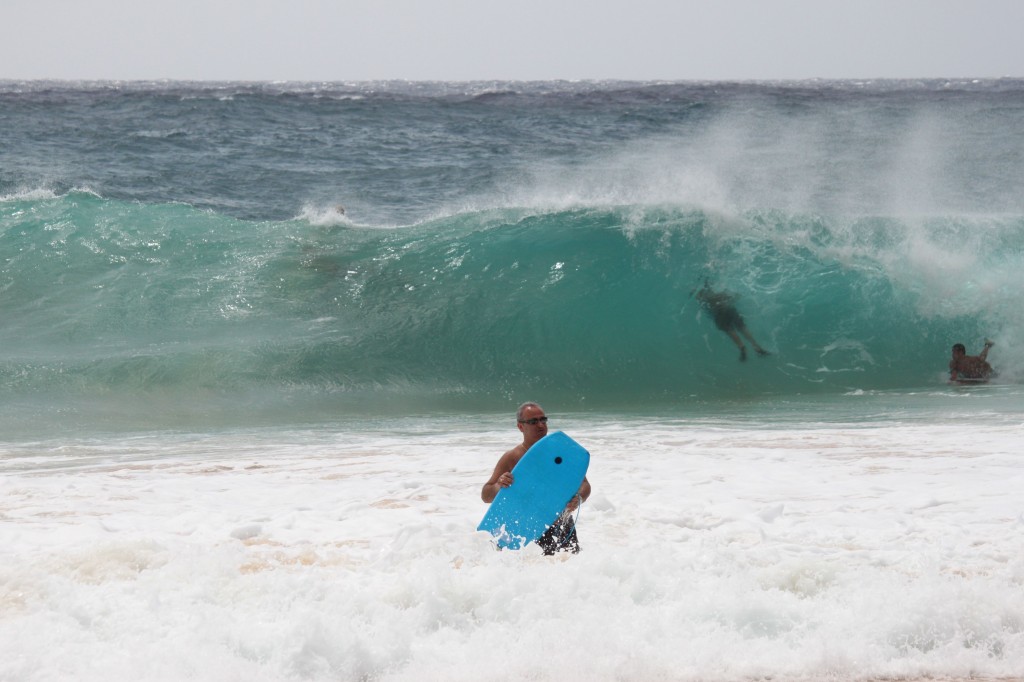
point(242, 434)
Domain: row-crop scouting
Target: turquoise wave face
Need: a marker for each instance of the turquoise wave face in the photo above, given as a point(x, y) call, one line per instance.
point(587, 307)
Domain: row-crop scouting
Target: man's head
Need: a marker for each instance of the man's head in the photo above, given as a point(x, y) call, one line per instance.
point(959, 350)
point(532, 421)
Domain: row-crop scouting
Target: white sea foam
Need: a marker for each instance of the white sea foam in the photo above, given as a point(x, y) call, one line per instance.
point(325, 216)
point(712, 550)
point(36, 194)
point(336, 215)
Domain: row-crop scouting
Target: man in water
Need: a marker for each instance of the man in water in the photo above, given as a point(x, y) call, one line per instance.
point(971, 368)
point(722, 307)
point(531, 420)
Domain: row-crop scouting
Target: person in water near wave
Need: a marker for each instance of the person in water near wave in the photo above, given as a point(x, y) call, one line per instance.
point(970, 368)
point(533, 423)
point(722, 306)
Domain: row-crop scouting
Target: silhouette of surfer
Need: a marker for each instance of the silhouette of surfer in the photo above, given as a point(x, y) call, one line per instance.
point(722, 307)
point(964, 368)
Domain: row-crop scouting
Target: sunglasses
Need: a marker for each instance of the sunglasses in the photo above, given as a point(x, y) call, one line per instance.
point(534, 421)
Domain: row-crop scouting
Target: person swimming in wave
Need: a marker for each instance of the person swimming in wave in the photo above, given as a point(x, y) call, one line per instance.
point(722, 306)
point(970, 368)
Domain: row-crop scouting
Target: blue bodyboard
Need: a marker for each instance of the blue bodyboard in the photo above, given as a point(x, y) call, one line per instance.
point(544, 481)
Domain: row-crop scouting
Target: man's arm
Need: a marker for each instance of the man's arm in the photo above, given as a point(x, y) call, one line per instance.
point(581, 495)
point(500, 478)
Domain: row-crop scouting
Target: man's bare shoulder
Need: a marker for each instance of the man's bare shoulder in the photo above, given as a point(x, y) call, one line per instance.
point(509, 460)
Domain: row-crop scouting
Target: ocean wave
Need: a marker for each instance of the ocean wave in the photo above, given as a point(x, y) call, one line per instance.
point(592, 305)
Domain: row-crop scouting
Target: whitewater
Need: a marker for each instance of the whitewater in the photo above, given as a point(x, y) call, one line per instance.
point(262, 344)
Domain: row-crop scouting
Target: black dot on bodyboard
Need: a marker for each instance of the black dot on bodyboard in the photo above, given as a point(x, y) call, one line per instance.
point(558, 460)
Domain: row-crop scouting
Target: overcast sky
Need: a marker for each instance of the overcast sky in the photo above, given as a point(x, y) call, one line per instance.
point(343, 40)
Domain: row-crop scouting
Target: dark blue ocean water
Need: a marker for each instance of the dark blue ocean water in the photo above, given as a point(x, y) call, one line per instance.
point(175, 249)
